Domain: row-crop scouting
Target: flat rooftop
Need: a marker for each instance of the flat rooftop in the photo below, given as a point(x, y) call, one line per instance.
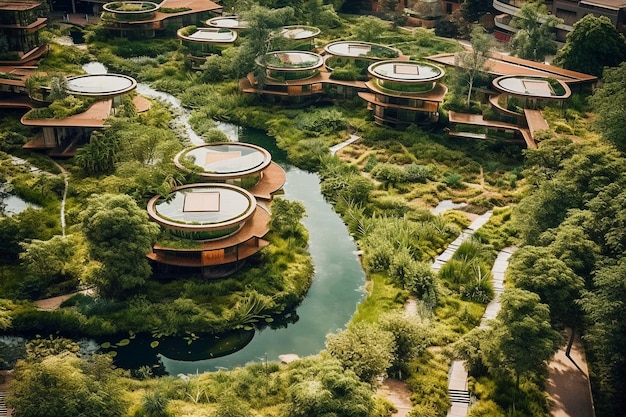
point(225, 160)
point(532, 87)
point(18, 6)
point(500, 64)
point(293, 60)
point(405, 71)
point(100, 85)
point(212, 35)
point(227, 22)
point(299, 32)
point(359, 49)
point(197, 206)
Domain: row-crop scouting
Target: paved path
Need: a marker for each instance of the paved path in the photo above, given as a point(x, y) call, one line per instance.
point(352, 139)
point(446, 255)
point(457, 379)
point(568, 383)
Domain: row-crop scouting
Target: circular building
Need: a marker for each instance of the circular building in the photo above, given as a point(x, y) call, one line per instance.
point(403, 76)
point(203, 42)
point(402, 93)
point(209, 226)
point(206, 209)
point(290, 65)
point(227, 22)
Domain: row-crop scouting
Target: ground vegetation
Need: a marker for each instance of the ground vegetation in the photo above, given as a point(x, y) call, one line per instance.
point(383, 187)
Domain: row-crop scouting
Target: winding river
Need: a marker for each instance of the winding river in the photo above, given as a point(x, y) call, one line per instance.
point(337, 286)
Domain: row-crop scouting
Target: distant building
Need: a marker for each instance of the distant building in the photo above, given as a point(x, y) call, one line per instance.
point(146, 19)
point(21, 23)
point(570, 11)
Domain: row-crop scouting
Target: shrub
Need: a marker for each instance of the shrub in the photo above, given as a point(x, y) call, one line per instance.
point(420, 173)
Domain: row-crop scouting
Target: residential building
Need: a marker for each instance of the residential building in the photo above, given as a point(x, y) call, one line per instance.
point(402, 93)
point(570, 11)
point(145, 19)
point(21, 23)
point(216, 225)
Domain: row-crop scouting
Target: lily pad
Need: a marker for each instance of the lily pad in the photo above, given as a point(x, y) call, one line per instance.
point(123, 342)
point(105, 345)
point(154, 344)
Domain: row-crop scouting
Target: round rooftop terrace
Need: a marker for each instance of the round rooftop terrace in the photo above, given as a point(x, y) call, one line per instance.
point(291, 61)
point(131, 8)
point(409, 72)
point(298, 32)
point(227, 22)
point(224, 160)
point(532, 87)
point(209, 35)
point(100, 85)
point(357, 49)
point(203, 207)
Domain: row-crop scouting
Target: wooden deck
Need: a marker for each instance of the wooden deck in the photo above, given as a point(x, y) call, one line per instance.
point(272, 180)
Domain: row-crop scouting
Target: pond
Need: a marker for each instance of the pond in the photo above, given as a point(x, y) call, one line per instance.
point(336, 290)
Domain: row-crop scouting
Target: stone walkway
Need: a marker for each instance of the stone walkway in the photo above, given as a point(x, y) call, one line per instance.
point(352, 139)
point(446, 255)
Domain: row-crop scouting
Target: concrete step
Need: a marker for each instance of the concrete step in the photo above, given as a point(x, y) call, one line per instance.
point(458, 396)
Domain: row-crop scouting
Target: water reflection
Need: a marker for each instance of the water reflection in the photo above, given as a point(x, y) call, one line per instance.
point(337, 286)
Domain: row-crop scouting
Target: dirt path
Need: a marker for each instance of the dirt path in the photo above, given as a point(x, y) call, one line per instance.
point(55, 302)
point(399, 394)
point(568, 383)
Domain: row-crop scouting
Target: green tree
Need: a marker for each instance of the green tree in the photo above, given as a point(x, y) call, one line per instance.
point(10, 237)
point(520, 340)
point(363, 348)
point(535, 37)
point(59, 257)
point(593, 44)
point(472, 10)
point(99, 155)
point(64, 385)
point(537, 269)
point(608, 102)
point(119, 235)
point(286, 216)
point(369, 29)
point(5, 313)
point(410, 340)
point(606, 335)
point(473, 62)
point(321, 387)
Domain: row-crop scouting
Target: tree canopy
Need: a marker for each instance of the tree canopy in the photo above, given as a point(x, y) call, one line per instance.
point(535, 36)
point(609, 103)
point(593, 44)
point(119, 235)
point(65, 385)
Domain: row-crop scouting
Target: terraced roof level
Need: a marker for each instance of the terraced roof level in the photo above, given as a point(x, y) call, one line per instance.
point(532, 87)
point(224, 160)
point(228, 22)
point(100, 85)
point(406, 71)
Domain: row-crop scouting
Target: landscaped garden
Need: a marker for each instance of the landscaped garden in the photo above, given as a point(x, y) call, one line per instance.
point(561, 203)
